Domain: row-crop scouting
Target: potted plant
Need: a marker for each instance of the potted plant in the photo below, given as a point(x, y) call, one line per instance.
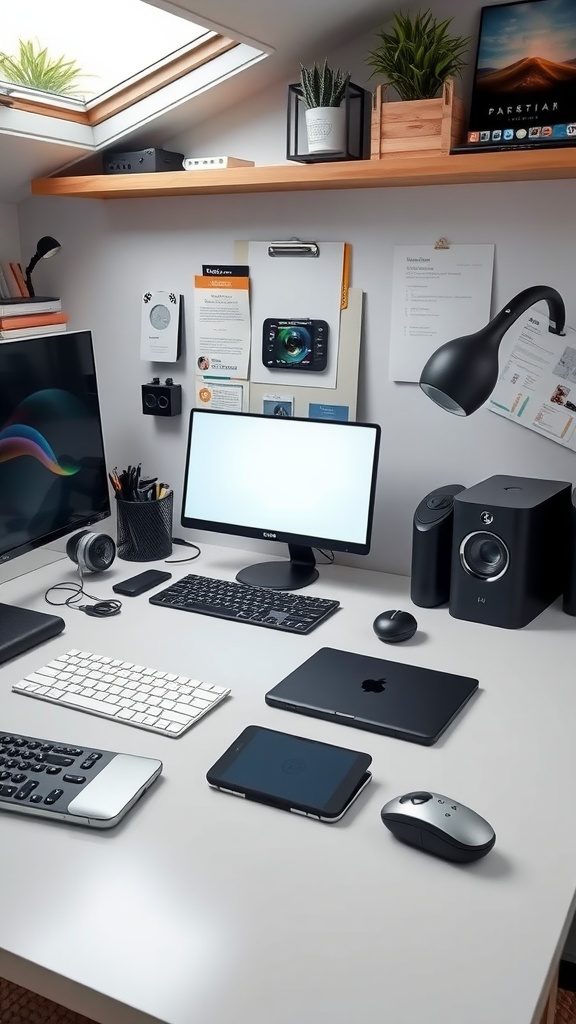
point(419, 59)
point(323, 89)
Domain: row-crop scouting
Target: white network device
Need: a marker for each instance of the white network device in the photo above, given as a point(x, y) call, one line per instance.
point(206, 163)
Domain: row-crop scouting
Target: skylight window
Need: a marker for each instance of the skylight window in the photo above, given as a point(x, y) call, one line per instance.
point(133, 63)
point(124, 42)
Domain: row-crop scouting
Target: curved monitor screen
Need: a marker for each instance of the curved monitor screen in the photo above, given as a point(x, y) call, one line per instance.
point(309, 483)
point(52, 467)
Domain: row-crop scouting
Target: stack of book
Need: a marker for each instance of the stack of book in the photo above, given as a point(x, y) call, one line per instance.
point(24, 317)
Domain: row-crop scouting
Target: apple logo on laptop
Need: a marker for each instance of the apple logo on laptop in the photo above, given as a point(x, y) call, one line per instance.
point(373, 685)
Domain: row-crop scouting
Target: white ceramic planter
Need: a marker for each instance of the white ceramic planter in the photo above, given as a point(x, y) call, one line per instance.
point(326, 129)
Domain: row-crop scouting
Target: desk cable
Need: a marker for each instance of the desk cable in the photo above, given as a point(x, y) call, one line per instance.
point(188, 544)
point(100, 609)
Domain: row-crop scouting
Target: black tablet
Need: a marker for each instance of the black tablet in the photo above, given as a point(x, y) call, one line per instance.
point(317, 779)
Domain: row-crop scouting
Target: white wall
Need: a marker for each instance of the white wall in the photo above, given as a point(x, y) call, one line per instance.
point(113, 251)
point(9, 232)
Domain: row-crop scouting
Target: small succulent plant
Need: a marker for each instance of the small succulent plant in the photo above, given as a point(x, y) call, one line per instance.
point(323, 86)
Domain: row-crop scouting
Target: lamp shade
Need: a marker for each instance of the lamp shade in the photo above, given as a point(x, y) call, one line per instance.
point(45, 248)
point(461, 375)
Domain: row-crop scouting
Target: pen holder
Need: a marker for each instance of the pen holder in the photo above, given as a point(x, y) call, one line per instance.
point(144, 529)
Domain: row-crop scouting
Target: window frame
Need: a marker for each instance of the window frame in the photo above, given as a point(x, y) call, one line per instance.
point(95, 112)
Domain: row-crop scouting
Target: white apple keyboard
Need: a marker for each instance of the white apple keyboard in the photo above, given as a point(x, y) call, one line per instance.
point(145, 697)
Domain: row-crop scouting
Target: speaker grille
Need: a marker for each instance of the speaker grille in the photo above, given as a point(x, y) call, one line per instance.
point(484, 555)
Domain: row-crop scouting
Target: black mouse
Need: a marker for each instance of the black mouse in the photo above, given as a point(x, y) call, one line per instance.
point(394, 625)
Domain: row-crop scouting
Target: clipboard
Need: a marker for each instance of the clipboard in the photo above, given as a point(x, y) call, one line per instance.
point(329, 394)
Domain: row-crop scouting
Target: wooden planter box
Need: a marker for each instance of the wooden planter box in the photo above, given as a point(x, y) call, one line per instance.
point(416, 127)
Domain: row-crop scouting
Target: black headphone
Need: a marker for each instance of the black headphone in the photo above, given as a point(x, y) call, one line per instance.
point(93, 552)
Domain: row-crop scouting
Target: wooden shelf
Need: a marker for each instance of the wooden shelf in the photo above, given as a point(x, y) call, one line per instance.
point(459, 169)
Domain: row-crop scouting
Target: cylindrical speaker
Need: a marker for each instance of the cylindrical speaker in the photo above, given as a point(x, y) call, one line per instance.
point(92, 552)
point(569, 602)
point(432, 547)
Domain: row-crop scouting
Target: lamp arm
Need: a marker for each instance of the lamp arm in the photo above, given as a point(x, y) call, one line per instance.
point(521, 302)
point(28, 272)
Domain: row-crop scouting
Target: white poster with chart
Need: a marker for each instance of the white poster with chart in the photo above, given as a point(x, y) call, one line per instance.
point(536, 386)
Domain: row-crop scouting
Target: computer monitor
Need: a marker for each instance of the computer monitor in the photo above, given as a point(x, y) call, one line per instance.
point(310, 483)
point(53, 476)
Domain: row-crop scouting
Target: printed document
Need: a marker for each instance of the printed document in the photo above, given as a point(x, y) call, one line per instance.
point(437, 295)
point(537, 383)
point(222, 326)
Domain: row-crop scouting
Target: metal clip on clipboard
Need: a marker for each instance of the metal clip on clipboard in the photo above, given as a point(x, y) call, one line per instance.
point(293, 247)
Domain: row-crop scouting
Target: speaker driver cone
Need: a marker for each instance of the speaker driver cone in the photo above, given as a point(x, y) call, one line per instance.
point(484, 555)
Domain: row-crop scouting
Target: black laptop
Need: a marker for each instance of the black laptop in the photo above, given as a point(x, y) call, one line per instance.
point(406, 701)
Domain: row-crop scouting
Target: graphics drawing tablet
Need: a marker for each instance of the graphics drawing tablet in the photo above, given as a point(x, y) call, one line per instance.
point(395, 699)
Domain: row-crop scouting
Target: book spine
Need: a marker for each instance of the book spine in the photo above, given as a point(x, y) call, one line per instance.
point(32, 320)
point(12, 308)
point(17, 271)
point(28, 332)
point(4, 289)
point(11, 280)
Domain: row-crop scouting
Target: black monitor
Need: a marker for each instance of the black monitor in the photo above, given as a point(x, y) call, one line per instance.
point(310, 483)
point(53, 476)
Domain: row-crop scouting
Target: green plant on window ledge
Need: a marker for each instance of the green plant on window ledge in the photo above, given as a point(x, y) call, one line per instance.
point(323, 86)
point(33, 67)
point(417, 55)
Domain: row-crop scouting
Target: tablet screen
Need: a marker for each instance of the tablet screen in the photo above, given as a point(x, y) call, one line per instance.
point(288, 768)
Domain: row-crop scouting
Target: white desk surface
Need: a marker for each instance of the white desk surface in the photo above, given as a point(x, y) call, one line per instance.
point(200, 907)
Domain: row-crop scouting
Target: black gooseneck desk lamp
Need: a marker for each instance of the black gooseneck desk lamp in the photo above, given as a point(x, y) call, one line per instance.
point(461, 375)
point(46, 247)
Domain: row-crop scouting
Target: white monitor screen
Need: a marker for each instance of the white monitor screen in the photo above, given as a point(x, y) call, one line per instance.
point(302, 481)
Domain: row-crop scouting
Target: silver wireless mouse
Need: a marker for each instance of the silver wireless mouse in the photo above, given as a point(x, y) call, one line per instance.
point(439, 825)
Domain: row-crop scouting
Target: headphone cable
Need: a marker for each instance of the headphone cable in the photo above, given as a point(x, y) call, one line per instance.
point(100, 609)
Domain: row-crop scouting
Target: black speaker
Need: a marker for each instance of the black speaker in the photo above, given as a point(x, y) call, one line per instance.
point(508, 549)
point(569, 602)
point(92, 552)
point(432, 547)
point(161, 399)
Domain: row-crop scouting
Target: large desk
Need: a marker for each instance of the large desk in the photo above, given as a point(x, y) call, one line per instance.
point(200, 908)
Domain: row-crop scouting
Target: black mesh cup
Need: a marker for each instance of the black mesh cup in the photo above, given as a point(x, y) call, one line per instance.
point(144, 529)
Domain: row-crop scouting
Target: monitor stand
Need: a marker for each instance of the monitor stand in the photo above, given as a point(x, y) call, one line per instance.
point(22, 629)
point(299, 572)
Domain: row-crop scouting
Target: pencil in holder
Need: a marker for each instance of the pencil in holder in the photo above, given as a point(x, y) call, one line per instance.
point(144, 529)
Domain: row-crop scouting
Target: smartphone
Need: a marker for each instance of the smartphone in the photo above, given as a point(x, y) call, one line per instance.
point(141, 583)
point(295, 774)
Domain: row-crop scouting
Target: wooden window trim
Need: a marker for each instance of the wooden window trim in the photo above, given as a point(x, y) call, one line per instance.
point(131, 94)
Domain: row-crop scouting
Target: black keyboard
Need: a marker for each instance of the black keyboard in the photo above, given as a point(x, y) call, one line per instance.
point(276, 609)
point(80, 785)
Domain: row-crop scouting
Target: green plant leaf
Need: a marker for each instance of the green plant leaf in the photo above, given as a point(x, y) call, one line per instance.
point(323, 86)
point(417, 55)
point(33, 67)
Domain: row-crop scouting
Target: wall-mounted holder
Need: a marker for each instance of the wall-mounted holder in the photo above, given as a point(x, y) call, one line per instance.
point(357, 110)
point(161, 399)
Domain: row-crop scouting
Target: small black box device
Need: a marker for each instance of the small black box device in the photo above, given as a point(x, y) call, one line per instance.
point(161, 399)
point(141, 161)
point(295, 344)
point(509, 549)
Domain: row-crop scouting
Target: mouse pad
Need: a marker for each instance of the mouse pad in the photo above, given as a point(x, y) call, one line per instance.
point(406, 701)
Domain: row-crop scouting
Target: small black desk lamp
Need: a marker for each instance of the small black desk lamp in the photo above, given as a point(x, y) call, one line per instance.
point(46, 247)
point(461, 375)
